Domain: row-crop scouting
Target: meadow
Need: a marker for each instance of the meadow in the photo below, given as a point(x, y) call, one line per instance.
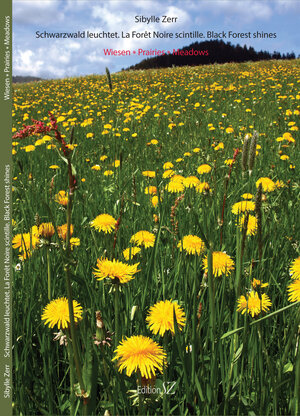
point(156, 264)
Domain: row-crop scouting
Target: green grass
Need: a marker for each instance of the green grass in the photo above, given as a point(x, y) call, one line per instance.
point(249, 371)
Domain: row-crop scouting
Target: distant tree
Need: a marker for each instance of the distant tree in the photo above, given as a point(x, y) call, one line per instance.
point(218, 52)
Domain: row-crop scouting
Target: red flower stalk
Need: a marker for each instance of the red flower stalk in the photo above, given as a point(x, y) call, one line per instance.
point(36, 128)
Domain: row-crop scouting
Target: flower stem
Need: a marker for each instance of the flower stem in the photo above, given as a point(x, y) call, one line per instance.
point(194, 322)
point(212, 324)
point(116, 315)
point(70, 297)
point(141, 395)
point(72, 379)
point(49, 273)
point(297, 383)
point(165, 376)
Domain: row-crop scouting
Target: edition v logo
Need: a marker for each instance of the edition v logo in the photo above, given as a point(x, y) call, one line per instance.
point(169, 387)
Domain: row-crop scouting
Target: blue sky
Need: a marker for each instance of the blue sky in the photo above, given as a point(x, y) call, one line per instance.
point(59, 58)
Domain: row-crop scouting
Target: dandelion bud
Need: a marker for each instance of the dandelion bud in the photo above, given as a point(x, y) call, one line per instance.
point(245, 152)
point(108, 78)
point(37, 220)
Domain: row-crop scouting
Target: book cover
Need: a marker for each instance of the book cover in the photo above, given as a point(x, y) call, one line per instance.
point(150, 208)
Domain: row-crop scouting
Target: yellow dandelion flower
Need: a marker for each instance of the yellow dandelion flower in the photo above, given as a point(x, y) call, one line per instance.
point(295, 269)
point(253, 304)
point(149, 173)
point(196, 150)
point(267, 184)
point(229, 130)
point(154, 141)
point(161, 317)
point(54, 167)
point(150, 190)
point(168, 165)
point(143, 238)
point(103, 158)
point(96, 167)
point(74, 242)
point(168, 173)
point(115, 270)
point(26, 241)
point(62, 231)
point(24, 255)
point(175, 186)
point(191, 182)
point(104, 222)
point(251, 226)
point(202, 187)
point(57, 313)
point(47, 139)
point(177, 178)
point(203, 169)
point(229, 162)
point(108, 173)
point(256, 283)
point(130, 252)
point(287, 136)
point(284, 157)
point(191, 244)
point(294, 291)
point(279, 184)
point(219, 146)
point(61, 198)
point(154, 201)
point(222, 263)
point(139, 353)
point(247, 196)
point(242, 206)
point(29, 148)
point(46, 230)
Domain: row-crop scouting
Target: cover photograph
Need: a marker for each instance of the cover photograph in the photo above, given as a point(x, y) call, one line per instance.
point(150, 208)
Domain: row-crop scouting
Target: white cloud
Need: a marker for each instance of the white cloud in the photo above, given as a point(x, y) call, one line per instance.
point(284, 6)
point(37, 12)
point(56, 59)
point(25, 62)
point(239, 11)
point(95, 57)
point(183, 17)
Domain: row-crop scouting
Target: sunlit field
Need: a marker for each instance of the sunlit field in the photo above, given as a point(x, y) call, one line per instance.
point(156, 250)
